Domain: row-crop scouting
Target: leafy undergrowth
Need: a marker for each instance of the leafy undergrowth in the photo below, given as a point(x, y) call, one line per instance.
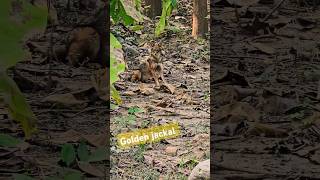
point(186, 64)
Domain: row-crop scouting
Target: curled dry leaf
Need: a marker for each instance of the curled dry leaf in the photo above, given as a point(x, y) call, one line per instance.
point(65, 137)
point(99, 140)
point(90, 169)
point(231, 78)
point(64, 99)
point(276, 105)
point(258, 129)
point(238, 109)
point(265, 48)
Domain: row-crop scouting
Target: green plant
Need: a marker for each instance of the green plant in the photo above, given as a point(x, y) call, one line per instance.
point(115, 68)
point(134, 110)
point(16, 22)
point(69, 154)
point(138, 153)
point(167, 7)
point(125, 121)
point(9, 141)
point(22, 177)
point(130, 118)
point(126, 12)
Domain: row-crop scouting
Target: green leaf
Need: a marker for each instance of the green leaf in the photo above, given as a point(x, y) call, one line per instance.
point(83, 152)
point(116, 56)
point(99, 155)
point(167, 7)
point(22, 177)
point(174, 3)
point(19, 109)
point(16, 23)
point(115, 95)
point(115, 69)
point(9, 141)
point(126, 11)
point(114, 42)
point(74, 176)
point(68, 154)
point(135, 109)
point(131, 11)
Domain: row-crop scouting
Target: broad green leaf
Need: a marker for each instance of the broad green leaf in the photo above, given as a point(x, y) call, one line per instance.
point(16, 23)
point(115, 69)
point(115, 95)
point(125, 11)
point(19, 109)
point(167, 7)
point(99, 155)
point(83, 152)
point(114, 13)
point(9, 141)
point(68, 154)
point(74, 176)
point(130, 9)
point(116, 56)
point(22, 177)
point(174, 3)
point(114, 42)
point(135, 109)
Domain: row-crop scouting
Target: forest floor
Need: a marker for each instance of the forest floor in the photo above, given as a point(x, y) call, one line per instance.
point(186, 67)
point(266, 90)
point(73, 111)
point(69, 112)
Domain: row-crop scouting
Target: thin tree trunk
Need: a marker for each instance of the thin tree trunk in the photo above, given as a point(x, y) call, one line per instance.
point(154, 9)
point(199, 18)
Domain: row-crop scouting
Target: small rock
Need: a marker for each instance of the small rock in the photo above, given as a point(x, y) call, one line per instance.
point(201, 171)
point(171, 150)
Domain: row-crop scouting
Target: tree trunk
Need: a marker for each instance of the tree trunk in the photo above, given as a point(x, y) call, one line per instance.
point(199, 18)
point(154, 9)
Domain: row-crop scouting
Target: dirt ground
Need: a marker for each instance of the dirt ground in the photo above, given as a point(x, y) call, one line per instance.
point(265, 90)
point(186, 66)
